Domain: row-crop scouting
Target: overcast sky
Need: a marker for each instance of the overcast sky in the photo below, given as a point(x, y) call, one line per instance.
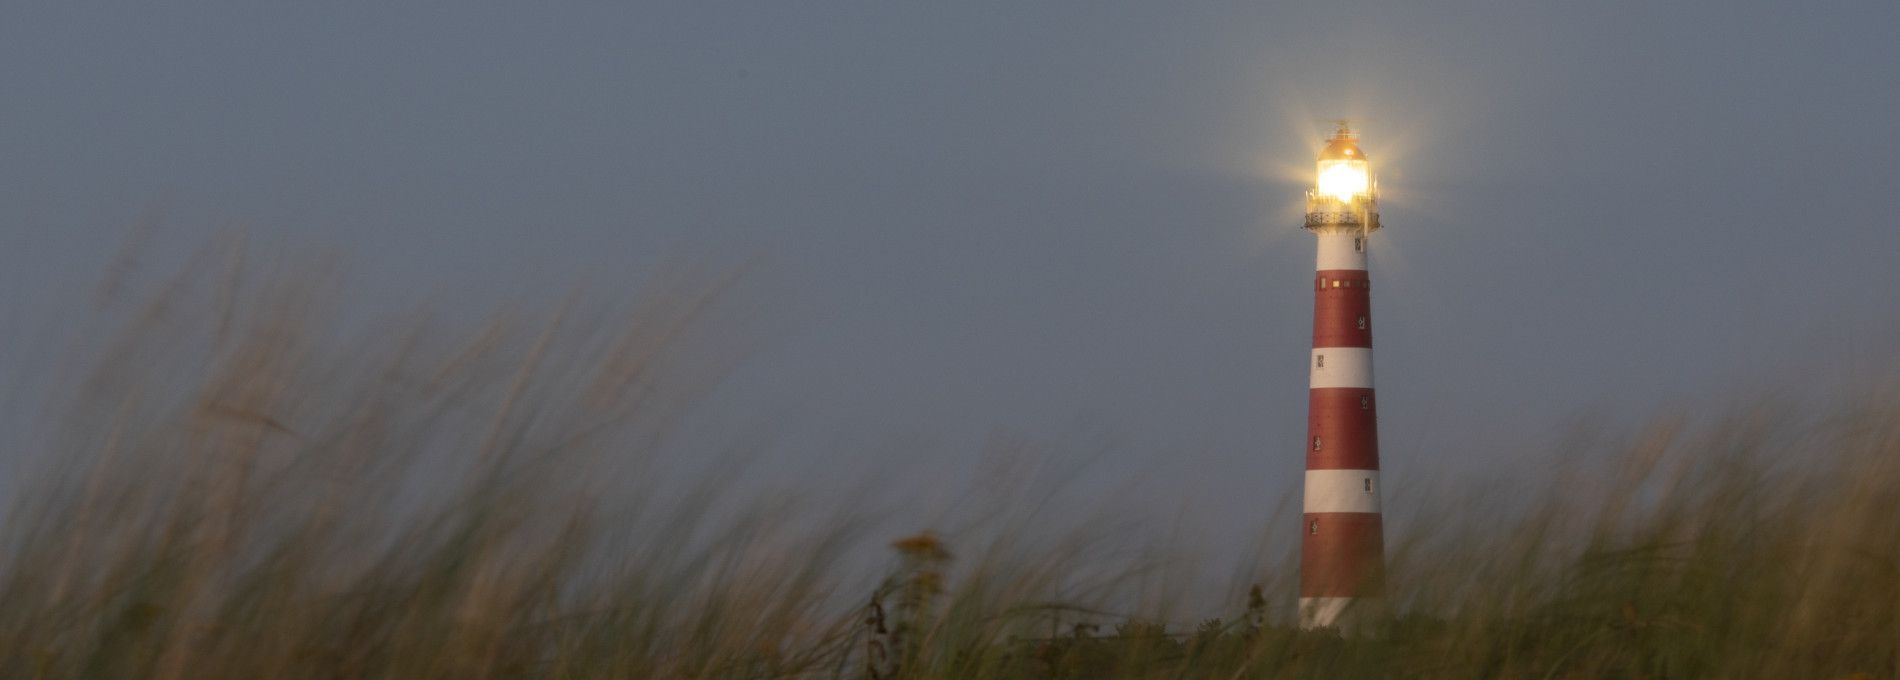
point(1070, 220)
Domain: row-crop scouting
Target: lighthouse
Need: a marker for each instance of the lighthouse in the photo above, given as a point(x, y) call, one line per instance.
point(1342, 551)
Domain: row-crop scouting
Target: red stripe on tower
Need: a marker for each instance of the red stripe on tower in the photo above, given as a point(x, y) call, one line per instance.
point(1342, 552)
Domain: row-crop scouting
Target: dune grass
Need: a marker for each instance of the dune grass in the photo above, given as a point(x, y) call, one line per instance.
point(234, 491)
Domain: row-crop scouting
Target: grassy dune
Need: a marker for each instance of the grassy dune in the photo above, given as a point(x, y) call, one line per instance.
point(234, 491)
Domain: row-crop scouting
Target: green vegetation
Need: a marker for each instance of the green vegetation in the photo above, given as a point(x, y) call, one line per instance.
point(237, 493)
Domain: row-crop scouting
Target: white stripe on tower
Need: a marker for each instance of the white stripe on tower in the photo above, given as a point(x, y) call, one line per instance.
point(1341, 367)
point(1342, 491)
point(1342, 551)
point(1338, 251)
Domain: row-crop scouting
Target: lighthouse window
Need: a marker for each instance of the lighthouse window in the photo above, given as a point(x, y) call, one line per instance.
point(1362, 323)
point(1365, 403)
point(1313, 527)
point(1319, 361)
point(1335, 284)
point(1316, 443)
point(1368, 485)
point(1359, 244)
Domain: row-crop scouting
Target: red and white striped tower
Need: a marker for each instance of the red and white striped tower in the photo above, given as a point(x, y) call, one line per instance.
point(1342, 553)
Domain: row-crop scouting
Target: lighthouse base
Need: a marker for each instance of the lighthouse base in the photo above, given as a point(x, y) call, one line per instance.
point(1352, 616)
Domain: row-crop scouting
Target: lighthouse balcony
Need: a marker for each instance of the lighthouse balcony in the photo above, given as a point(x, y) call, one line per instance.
point(1341, 217)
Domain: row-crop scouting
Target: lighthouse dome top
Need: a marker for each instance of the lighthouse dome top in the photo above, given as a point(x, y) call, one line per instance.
point(1342, 146)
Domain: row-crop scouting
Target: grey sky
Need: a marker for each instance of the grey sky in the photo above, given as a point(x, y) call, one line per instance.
point(1055, 218)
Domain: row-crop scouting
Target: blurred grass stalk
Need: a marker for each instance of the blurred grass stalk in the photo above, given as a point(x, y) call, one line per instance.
point(237, 492)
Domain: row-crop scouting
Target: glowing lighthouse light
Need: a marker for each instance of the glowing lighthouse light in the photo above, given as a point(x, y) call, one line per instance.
point(1342, 547)
point(1343, 179)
